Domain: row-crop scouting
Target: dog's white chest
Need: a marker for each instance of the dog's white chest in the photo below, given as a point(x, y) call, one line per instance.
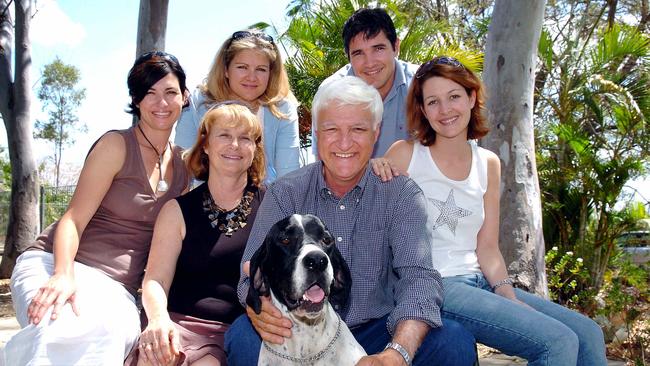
point(326, 344)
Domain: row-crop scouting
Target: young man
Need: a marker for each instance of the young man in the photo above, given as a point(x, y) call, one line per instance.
point(379, 228)
point(372, 47)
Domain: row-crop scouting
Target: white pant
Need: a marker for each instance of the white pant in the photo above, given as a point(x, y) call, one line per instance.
point(103, 334)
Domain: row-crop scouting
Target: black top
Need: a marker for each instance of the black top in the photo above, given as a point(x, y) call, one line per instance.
point(207, 270)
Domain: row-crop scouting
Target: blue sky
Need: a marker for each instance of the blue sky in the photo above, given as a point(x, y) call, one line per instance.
point(99, 38)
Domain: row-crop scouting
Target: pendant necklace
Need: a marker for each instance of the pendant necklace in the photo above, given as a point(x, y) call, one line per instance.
point(162, 185)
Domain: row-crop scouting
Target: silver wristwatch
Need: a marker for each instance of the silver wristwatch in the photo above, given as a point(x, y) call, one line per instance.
point(398, 347)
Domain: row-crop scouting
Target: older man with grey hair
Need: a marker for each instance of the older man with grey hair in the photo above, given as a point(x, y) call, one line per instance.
point(379, 228)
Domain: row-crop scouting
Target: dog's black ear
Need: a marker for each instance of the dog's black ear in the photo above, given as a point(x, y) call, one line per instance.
point(259, 285)
point(340, 288)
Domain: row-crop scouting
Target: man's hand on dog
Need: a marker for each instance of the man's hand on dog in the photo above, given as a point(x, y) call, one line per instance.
point(270, 324)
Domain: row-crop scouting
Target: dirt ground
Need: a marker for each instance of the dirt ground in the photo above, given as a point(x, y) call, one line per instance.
point(6, 306)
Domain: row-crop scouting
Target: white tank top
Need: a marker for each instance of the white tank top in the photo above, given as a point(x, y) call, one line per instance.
point(455, 210)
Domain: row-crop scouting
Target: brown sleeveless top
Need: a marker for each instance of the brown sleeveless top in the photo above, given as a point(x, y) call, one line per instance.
point(116, 241)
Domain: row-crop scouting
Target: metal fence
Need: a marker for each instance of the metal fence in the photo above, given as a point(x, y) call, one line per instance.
point(5, 205)
point(52, 204)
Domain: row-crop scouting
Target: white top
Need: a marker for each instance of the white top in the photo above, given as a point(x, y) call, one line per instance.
point(455, 210)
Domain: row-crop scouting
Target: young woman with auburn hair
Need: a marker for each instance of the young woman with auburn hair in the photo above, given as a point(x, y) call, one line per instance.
point(461, 182)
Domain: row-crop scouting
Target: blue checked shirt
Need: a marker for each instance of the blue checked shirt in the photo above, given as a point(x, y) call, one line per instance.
point(379, 228)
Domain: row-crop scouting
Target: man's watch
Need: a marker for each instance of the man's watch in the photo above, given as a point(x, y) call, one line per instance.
point(398, 347)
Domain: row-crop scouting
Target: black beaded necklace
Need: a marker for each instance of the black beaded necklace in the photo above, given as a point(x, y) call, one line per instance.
point(228, 221)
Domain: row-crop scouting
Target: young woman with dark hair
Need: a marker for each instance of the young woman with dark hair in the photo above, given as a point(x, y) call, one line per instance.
point(74, 288)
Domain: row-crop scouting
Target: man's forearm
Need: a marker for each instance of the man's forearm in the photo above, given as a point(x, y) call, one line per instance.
point(410, 334)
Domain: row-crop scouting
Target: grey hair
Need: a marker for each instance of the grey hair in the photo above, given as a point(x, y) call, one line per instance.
point(348, 90)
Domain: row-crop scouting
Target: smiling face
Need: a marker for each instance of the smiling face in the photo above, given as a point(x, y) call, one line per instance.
point(345, 142)
point(248, 74)
point(447, 107)
point(230, 149)
point(373, 60)
point(161, 106)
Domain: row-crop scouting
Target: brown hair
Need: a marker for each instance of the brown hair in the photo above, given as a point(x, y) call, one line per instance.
point(227, 115)
point(216, 88)
point(417, 123)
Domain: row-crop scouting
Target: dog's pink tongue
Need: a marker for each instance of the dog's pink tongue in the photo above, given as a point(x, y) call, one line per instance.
point(315, 294)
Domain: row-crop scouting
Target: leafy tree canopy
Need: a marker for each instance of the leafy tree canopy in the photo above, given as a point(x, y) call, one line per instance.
point(61, 97)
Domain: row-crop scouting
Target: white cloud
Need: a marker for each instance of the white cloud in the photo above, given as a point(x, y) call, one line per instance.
point(52, 27)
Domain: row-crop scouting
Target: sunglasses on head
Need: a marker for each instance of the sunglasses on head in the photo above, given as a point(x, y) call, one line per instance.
point(149, 55)
point(441, 60)
point(245, 34)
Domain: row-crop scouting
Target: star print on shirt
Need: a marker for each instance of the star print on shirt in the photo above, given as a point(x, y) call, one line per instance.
point(449, 212)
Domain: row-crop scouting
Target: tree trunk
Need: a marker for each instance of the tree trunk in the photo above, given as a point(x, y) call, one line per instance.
point(15, 96)
point(152, 27)
point(509, 75)
point(611, 13)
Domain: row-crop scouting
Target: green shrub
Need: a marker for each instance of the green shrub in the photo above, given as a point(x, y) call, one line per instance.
point(623, 302)
point(568, 280)
point(625, 289)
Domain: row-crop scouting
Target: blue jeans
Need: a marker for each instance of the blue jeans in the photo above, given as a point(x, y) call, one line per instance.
point(553, 335)
point(449, 345)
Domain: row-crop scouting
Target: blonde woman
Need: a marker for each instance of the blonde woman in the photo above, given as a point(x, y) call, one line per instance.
point(248, 67)
point(190, 287)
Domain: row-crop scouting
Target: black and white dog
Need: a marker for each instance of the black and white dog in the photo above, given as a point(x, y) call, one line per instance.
point(299, 266)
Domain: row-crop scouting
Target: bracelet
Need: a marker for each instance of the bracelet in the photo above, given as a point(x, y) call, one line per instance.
point(398, 347)
point(505, 281)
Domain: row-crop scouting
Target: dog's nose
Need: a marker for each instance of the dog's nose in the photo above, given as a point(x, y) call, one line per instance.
point(315, 261)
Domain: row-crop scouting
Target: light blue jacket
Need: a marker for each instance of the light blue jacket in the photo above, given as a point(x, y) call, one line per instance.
point(281, 139)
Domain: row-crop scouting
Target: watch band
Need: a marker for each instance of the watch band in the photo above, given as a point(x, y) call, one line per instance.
point(505, 281)
point(398, 347)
